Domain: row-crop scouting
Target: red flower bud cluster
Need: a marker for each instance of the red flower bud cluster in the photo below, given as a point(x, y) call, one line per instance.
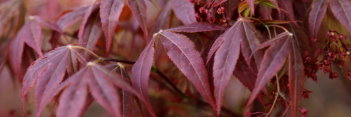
point(306, 93)
point(208, 11)
point(334, 54)
point(311, 67)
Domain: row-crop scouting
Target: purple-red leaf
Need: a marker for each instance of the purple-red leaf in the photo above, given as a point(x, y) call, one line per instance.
point(273, 60)
point(181, 50)
point(288, 7)
point(139, 11)
point(110, 11)
point(47, 72)
point(241, 37)
point(142, 68)
point(103, 83)
point(225, 60)
point(245, 74)
point(342, 11)
point(73, 100)
point(90, 31)
point(71, 18)
point(196, 27)
point(31, 35)
point(296, 79)
point(184, 11)
point(315, 18)
point(251, 41)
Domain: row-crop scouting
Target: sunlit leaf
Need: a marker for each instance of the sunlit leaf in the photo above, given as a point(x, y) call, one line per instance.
point(188, 60)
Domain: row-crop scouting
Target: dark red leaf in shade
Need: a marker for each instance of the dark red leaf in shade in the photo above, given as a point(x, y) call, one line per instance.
point(196, 27)
point(181, 50)
point(110, 11)
point(46, 73)
point(288, 7)
point(72, 17)
point(245, 74)
point(31, 35)
point(296, 79)
point(251, 4)
point(90, 30)
point(316, 15)
point(139, 11)
point(341, 10)
point(142, 68)
point(273, 60)
point(241, 37)
point(184, 11)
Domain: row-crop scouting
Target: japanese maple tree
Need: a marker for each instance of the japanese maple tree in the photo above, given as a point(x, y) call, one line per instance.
point(149, 58)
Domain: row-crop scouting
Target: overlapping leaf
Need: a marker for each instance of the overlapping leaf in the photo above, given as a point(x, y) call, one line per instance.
point(73, 99)
point(46, 73)
point(288, 7)
point(246, 74)
point(273, 60)
point(341, 10)
point(296, 79)
point(241, 37)
point(139, 10)
point(72, 17)
point(141, 69)
point(316, 15)
point(102, 85)
point(31, 35)
point(110, 11)
point(90, 30)
point(182, 52)
point(225, 60)
point(184, 11)
point(184, 55)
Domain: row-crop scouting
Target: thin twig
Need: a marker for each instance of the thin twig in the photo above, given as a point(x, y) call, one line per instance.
point(275, 98)
point(117, 60)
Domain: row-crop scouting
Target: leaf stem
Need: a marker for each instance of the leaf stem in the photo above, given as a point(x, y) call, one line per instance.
point(281, 27)
point(275, 97)
point(83, 48)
